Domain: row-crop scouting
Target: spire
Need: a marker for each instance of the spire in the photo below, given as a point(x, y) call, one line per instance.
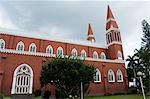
point(90, 36)
point(111, 23)
point(109, 13)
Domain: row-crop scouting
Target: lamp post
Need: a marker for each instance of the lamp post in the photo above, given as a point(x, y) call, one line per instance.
point(81, 90)
point(141, 74)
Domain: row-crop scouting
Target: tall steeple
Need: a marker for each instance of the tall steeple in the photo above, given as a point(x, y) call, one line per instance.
point(90, 36)
point(113, 37)
point(112, 29)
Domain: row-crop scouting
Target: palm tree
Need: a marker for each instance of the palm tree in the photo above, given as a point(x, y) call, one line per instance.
point(132, 64)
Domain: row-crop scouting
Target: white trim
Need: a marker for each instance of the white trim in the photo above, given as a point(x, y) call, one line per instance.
point(49, 47)
point(95, 53)
point(32, 45)
point(114, 42)
point(2, 41)
point(74, 51)
point(90, 35)
point(54, 55)
point(103, 54)
point(112, 28)
point(119, 72)
point(20, 43)
point(14, 78)
point(56, 39)
point(113, 74)
point(83, 51)
point(60, 48)
point(119, 54)
point(110, 19)
point(99, 73)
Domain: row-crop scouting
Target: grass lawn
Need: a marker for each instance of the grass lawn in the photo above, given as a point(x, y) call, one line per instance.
point(132, 96)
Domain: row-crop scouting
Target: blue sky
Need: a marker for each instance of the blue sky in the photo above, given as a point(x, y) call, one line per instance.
point(70, 19)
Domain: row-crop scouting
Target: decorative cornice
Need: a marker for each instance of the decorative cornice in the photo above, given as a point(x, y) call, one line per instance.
point(112, 28)
point(54, 55)
point(110, 19)
point(114, 42)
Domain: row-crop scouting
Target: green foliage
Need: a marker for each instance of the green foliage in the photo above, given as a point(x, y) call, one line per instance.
point(1, 95)
point(46, 94)
point(146, 35)
point(140, 61)
point(66, 74)
point(37, 93)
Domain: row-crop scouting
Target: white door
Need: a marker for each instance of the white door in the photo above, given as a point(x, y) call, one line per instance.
point(22, 80)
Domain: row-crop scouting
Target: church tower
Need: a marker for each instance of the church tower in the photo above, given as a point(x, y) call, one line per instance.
point(90, 36)
point(113, 37)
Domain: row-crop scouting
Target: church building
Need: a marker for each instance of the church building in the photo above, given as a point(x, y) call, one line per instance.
point(22, 56)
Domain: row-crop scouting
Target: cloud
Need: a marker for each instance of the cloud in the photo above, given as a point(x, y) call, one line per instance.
point(70, 19)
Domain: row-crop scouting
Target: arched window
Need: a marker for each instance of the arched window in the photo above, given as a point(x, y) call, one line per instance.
point(2, 44)
point(59, 51)
point(111, 76)
point(103, 56)
point(49, 49)
point(74, 52)
point(20, 46)
point(22, 80)
point(119, 55)
point(119, 76)
point(32, 47)
point(97, 77)
point(83, 54)
point(117, 36)
point(95, 55)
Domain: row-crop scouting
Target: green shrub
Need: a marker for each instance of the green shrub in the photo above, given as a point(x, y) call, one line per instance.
point(37, 93)
point(1, 96)
point(132, 90)
point(47, 94)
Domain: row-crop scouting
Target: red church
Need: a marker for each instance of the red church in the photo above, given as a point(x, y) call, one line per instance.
point(22, 56)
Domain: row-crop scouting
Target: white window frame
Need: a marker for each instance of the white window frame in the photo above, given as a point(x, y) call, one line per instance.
point(2, 41)
point(103, 55)
point(95, 54)
point(83, 54)
point(119, 73)
point(59, 48)
point(74, 52)
point(32, 45)
point(20, 44)
point(120, 55)
point(15, 75)
point(98, 73)
point(50, 48)
point(111, 72)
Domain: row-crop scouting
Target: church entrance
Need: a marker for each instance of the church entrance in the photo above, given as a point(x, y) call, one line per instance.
point(22, 80)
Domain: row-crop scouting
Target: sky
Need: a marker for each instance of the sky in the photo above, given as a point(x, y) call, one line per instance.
point(70, 19)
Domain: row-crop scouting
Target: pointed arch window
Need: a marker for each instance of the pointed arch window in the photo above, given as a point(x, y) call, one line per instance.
point(32, 47)
point(2, 44)
point(49, 50)
point(97, 77)
point(83, 54)
point(117, 36)
point(119, 76)
point(74, 52)
point(20, 46)
point(103, 56)
point(119, 55)
point(22, 80)
point(111, 76)
point(95, 55)
point(59, 51)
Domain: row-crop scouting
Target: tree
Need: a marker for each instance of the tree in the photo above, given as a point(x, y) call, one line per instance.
point(146, 35)
point(66, 74)
point(142, 61)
